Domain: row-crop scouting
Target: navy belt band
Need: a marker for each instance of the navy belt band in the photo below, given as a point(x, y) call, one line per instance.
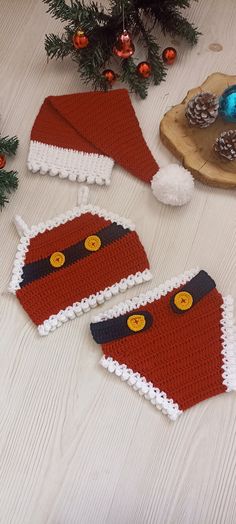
point(197, 287)
point(78, 251)
point(117, 328)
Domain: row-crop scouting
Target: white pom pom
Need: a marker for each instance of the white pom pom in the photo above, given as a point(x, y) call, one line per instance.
point(173, 185)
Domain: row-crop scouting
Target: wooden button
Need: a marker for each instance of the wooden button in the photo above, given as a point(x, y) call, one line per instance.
point(57, 259)
point(92, 243)
point(183, 300)
point(136, 322)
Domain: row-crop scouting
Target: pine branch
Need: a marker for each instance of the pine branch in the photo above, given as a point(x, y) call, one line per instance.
point(57, 47)
point(102, 27)
point(8, 183)
point(8, 146)
point(171, 21)
point(177, 25)
point(58, 9)
point(153, 50)
point(158, 68)
point(129, 76)
point(81, 13)
point(91, 61)
point(162, 4)
point(77, 12)
point(181, 4)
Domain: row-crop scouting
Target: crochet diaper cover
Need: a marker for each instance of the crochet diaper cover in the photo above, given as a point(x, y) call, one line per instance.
point(175, 345)
point(72, 263)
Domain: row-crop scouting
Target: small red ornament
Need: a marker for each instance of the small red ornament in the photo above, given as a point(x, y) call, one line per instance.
point(109, 75)
point(144, 69)
point(169, 55)
point(80, 40)
point(2, 161)
point(124, 47)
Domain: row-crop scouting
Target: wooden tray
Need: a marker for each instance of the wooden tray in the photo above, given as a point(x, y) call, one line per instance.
point(193, 146)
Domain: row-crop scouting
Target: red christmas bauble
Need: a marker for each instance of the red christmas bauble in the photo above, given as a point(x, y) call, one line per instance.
point(109, 75)
point(2, 161)
point(124, 47)
point(144, 69)
point(169, 55)
point(80, 40)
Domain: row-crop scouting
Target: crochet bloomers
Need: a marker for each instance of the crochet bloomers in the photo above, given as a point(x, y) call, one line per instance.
point(175, 345)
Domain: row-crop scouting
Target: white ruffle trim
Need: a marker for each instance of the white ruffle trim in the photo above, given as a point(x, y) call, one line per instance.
point(69, 163)
point(50, 224)
point(228, 337)
point(148, 297)
point(153, 394)
point(84, 306)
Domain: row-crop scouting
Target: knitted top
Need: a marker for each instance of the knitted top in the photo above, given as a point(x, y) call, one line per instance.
point(74, 262)
point(175, 345)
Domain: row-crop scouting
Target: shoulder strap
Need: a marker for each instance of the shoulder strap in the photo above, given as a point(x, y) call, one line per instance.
point(21, 226)
point(83, 195)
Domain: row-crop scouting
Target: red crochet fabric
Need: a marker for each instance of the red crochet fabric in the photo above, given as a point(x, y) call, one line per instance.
point(74, 262)
point(176, 357)
point(81, 135)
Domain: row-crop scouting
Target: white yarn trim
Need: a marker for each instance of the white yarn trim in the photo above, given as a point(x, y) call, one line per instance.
point(153, 394)
point(21, 226)
point(228, 330)
point(83, 196)
point(69, 163)
point(33, 231)
point(148, 297)
point(84, 306)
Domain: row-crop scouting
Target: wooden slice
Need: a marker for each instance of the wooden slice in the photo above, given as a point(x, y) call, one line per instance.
point(194, 146)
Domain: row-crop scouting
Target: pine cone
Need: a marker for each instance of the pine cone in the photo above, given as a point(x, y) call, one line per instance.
point(202, 109)
point(225, 145)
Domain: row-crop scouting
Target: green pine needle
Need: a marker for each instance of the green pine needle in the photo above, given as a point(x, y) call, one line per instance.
point(57, 47)
point(129, 76)
point(8, 179)
point(8, 146)
point(58, 9)
point(8, 183)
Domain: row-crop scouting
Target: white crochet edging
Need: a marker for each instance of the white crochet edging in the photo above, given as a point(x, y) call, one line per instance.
point(148, 297)
point(228, 330)
point(69, 163)
point(51, 224)
point(153, 394)
point(86, 304)
point(21, 226)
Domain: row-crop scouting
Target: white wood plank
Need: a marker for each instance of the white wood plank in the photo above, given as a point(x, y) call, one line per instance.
point(76, 445)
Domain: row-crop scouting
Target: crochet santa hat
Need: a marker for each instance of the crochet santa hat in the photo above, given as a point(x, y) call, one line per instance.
point(80, 136)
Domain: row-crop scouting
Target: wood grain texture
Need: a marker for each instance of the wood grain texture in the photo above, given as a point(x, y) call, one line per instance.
point(193, 146)
point(76, 445)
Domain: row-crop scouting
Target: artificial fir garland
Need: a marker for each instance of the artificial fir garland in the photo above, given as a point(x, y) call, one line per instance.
point(8, 179)
point(102, 26)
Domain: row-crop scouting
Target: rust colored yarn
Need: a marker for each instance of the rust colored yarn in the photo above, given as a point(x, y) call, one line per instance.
point(75, 263)
point(178, 352)
point(182, 356)
point(82, 279)
point(95, 124)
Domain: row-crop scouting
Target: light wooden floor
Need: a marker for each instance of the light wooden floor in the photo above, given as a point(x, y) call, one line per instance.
point(77, 445)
